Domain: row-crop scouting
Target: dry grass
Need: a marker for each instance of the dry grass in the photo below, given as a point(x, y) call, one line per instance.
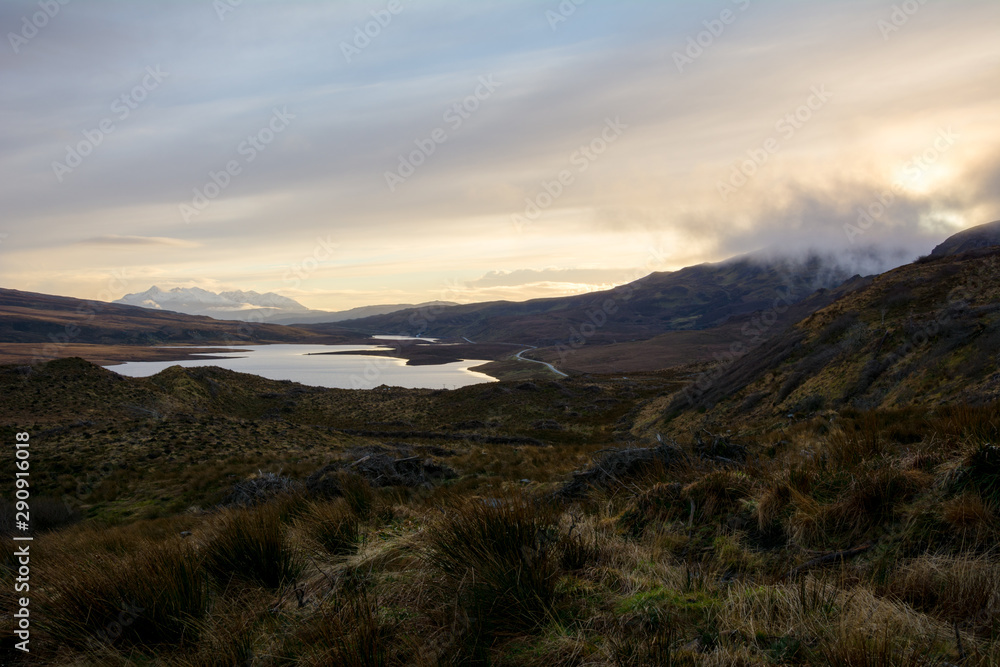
point(152, 597)
point(682, 565)
point(251, 545)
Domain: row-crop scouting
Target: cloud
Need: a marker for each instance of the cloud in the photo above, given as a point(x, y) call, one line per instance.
point(324, 176)
point(118, 240)
point(596, 277)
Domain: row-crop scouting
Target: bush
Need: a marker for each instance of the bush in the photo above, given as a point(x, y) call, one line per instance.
point(252, 545)
point(47, 514)
point(350, 633)
point(150, 598)
point(497, 555)
point(982, 473)
point(660, 504)
point(333, 526)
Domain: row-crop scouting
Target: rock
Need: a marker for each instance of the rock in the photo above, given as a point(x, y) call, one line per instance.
point(380, 470)
point(619, 466)
point(259, 489)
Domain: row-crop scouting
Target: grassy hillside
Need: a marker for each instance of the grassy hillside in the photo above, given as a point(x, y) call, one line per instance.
point(52, 322)
point(924, 334)
point(506, 524)
point(828, 494)
point(698, 297)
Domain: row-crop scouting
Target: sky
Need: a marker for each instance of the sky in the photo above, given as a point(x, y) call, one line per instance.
point(400, 151)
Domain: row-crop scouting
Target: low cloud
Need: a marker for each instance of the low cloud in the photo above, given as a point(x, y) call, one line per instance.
point(115, 239)
point(521, 277)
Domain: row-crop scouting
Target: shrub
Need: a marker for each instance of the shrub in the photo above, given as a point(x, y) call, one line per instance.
point(358, 493)
point(348, 633)
point(333, 526)
point(958, 589)
point(150, 598)
point(259, 489)
point(660, 504)
point(497, 555)
point(846, 450)
point(982, 473)
point(718, 492)
point(252, 545)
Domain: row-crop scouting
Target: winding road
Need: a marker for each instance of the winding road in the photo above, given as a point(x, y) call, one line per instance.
point(543, 363)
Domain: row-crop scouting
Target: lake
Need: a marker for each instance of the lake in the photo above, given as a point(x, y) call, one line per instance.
point(307, 364)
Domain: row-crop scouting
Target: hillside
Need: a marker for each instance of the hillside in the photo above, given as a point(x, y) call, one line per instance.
point(43, 326)
point(694, 298)
point(924, 334)
point(250, 306)
point(982, 236)
point(679, 348)
point(516, 524)
point(829, 494)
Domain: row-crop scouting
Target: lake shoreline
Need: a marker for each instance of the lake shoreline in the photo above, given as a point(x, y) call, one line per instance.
point(331, 366)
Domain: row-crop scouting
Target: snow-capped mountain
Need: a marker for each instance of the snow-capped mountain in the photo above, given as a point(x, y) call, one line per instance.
point(239, 305)
point(224, 306)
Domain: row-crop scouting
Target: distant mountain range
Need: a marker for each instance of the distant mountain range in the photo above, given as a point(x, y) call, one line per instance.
point(926, 333)
point(690, 299)
point(54, 322)
point(661, 320)
point(251, 306)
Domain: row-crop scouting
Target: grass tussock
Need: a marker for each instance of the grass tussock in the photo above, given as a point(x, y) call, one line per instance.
point(252, 545)
point(842, 537)
point(497, 557)
point(351, 631)
point(154, 597)
point(333, 526)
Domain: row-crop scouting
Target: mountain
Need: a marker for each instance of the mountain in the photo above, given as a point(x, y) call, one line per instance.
point(982, 236)
point(46, 321)
point(695, 298)
point(923, 334)
point(250, 306)
point(235, 305)
point(320, 316)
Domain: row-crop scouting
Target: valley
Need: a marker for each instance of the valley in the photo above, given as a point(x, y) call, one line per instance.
point(693, 501)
